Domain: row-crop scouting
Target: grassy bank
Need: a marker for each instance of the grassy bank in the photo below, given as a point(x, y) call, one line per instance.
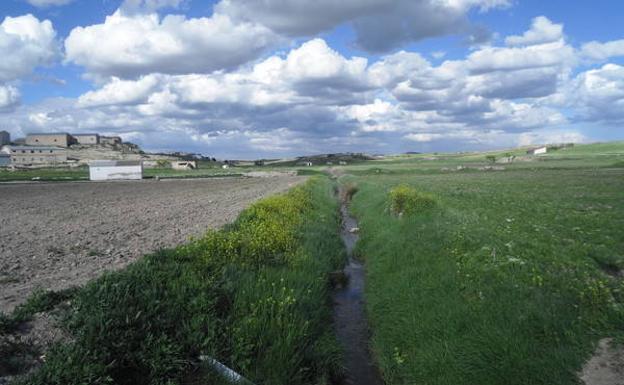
point(509, 278)
point(254, 296)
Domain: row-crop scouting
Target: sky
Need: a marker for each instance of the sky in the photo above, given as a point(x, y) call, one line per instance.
point(252, 79)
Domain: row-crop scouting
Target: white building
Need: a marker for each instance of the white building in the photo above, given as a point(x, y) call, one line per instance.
point(538, 150)
point(115, 170)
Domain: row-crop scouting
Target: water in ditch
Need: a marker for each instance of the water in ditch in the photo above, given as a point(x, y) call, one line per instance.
point(350, 315)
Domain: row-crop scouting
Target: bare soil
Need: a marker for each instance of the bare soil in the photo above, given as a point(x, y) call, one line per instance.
point(606, 367)
point(58, 235)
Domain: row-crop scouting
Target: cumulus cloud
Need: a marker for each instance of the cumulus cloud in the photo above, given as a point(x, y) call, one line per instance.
point(380, 25)
point(313, 98)
point(598, 94)
point(48, 3)
point(25, 43)
point(603, 51)
point(129, 45)
point(9, 98)
point(542, 31)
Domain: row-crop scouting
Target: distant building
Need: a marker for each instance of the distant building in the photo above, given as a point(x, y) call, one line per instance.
point(5, 138)
point(88, 139)
point(184, 165)
point(110, 140)
point(59, 139)
point(538, 150)
point(35, 155)
point(115, 170)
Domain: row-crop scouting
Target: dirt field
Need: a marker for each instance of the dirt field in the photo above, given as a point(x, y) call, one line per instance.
point(58, 235)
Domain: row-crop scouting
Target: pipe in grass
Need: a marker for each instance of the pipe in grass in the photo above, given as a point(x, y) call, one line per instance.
point(224, 371)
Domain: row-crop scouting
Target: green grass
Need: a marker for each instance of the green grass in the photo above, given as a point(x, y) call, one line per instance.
point(505, 281)
point(254, 296)
point(45, 174)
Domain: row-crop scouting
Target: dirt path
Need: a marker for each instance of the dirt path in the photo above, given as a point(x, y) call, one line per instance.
point(350, 315)
point(56, 235)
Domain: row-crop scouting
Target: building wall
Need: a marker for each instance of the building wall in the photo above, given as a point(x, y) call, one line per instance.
point(5, 138)
point(87, 139)
point(24, 157)
point(5, 160)
point(115, 172)
point(61, 140)
point(111, 140)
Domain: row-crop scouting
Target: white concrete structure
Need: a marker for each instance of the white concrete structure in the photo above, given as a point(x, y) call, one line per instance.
point(538, 150)
point(115, 170)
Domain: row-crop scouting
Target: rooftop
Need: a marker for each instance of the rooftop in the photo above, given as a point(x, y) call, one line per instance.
point(47, 133)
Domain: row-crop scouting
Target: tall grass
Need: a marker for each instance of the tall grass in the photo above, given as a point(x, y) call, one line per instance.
point(504, 283)
point(254, 296)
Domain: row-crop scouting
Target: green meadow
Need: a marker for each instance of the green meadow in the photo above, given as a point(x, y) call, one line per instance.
point(501, 276)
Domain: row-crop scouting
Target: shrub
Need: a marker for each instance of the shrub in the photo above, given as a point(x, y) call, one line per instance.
point(348, 191)
point(405, 199)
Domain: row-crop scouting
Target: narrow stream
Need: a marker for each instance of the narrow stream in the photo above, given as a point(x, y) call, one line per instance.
point(350, 315)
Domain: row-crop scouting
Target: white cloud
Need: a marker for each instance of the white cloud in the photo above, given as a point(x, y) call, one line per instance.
point(121, 92)
point(131, 45)
point(380, 25)
point(48, 3)
point(542, 31)
point(9, 98)
point(602, 51)
point(25, 43)
point(598, 94)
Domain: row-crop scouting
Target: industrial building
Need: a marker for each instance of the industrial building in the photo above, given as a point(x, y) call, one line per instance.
point(115, 170)
point(59, 139)
point(35, 155)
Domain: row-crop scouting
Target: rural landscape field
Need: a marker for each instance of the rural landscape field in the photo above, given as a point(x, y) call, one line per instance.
point(475, 273)
point(311, 192)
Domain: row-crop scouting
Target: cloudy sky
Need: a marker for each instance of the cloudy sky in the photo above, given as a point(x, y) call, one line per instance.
point(267, 78)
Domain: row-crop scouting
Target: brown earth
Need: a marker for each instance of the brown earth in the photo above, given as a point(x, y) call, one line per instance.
point(57, 235)
point(606, 367)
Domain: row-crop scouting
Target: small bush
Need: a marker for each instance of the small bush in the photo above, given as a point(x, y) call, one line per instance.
point(405, 199)
point(348, 191)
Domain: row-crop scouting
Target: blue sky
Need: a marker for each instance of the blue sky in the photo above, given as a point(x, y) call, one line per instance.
point(246, 79)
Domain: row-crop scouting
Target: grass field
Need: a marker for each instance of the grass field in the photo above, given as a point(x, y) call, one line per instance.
point(254, 296)
point(509, 278)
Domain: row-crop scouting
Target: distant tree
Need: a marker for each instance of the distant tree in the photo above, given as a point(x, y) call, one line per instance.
point(491, 158)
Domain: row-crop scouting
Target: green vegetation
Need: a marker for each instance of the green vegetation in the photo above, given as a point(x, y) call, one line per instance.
point(45, 174)
point(254, 296)
point(404, 199)
point(510, 280)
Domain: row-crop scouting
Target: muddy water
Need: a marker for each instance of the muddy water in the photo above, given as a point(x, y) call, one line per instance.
point(350, 316)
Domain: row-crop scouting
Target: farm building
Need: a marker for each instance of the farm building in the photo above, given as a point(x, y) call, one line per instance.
point(110, 140)
point(184, 165)
point(5, 138)
point(115, 170)
point(59, 139)
point(89, 139)
point(35, 155)
point(538, 150)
